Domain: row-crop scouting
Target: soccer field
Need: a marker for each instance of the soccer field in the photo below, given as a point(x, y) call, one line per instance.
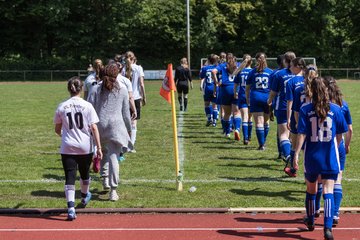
point(225, 172)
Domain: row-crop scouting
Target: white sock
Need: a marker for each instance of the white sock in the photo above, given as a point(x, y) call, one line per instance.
point(133, 135)
point(70, 193)
point(84, 185)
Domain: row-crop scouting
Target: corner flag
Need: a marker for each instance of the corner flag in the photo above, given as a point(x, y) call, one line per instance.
point(168, 84)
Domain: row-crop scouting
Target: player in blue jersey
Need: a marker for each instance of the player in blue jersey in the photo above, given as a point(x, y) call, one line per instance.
point(321, 125)
point(228, 102)
point(297, 67)
point(278, 87)
point(207, 87)
point(257, 93)
point(239, 93)
point(336, 97)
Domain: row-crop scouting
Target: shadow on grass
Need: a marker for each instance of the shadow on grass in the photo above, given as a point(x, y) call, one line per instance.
point(248, 158)
point(280, 233)
point(258, 166)
point(284, 179)
point(287, 194)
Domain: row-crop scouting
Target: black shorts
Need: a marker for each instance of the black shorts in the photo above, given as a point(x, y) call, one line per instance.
point(138, 108)
point(182, 88)
point(73, 162)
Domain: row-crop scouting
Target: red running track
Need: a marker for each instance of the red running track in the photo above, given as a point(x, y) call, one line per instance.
point(171, 226)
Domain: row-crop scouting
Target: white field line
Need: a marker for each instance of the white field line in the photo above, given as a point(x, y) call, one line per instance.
point(205, 181)
point(255, 229)
point(181, 141)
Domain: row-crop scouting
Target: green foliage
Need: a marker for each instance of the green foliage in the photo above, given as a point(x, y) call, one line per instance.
point(77, 31)
point(225, 172)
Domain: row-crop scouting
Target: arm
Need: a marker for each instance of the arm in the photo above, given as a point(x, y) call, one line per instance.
point(299, 143)
point(132, 106)
point(247, 93)
point(58, 129)
point(288, 112)
point(216, 82)
point(235, 90)
point(348, 136)
point(271, 97)
point(296, 116)
point(142, 91)
point(190, 80)
point(95, 132)
point(202, 83)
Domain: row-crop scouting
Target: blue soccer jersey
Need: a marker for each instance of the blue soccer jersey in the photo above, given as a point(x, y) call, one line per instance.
point(259, 90)
point(299, 98)
point(278, 85)
point(241, 80)
point(321, 154)
point(346, 111)
point(291, 84)
point(208, 85)
point(226, 79)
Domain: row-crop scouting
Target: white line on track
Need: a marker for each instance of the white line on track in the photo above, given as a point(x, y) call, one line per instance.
point(255, 229)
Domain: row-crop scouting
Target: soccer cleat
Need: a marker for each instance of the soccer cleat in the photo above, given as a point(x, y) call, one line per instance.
point(335, 221)
point(227, 135)
point(261, 148)
point(246, 142)
point(237, 135)
point(310, 225)
point(113, 196)
point(290, 172)
point(208, 123)
point(71, 214)
point(281, 156)
point(214, 123)
point(328, 234)
point(132, 151)
point(317, 213)
point(121, 158)
point(86, 200)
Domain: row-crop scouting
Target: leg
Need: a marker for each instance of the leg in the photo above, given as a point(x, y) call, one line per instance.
point(84, 169)
point(237, 121)
point(70, 167)
point(260, 132)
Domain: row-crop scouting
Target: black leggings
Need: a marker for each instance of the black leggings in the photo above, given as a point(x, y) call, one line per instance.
point(70, 164)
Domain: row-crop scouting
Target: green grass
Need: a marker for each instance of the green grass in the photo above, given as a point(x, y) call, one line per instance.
point(226, 173)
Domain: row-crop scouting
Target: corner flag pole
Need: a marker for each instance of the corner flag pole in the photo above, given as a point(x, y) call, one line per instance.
point(179, 177)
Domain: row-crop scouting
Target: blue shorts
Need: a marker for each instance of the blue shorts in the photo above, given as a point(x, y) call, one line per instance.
point(242, 101)
point(227, 95)
point(258, 102)
point(342, 155)
point(281, 116)
point(313, 177)
point(209, 95)
point(218, 93)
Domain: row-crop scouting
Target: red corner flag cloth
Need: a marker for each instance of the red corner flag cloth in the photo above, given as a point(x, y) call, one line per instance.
point(168, 84)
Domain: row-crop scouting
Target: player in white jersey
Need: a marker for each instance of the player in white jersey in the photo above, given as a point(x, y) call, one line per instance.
point(93, 78)
point(135, 73)
point(75, 121)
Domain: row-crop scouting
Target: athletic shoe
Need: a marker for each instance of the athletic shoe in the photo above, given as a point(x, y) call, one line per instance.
point(310, 226)
point(290, 172)
point(328, 234)
point(181, 108)
point(227, 136)
point(96, 164)
point(281, 156)
point(246, 142)
point(113, 196)
point(237, 135)
point(86, 200)
point(214, 123)
point(105, 183)
point(132, 151)
point(121, 159)
point(317, 213)
point(261, 148)
point(335, 221)
point(71, 214)
point(208, 123)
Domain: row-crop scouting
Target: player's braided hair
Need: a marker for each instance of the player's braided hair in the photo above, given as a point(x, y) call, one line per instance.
point(311, 72)
point(320, 97)
point(109, 80)
point(75, 85)
point(335, 94)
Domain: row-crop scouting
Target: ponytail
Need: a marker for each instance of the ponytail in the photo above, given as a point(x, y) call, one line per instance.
point(320, 98)
point(109, 80)
point(74, 86)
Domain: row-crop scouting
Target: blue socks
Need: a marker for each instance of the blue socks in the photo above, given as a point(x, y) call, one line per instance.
point(245, 130)
point(250, 125)
point(237, 122)
point(310, 206)
point(208, 112)
point(285, 147)
point(227, 126)
point(328, 210)
point(318, 196)
point(337, 198)
point(266, 129)
point(260, 133)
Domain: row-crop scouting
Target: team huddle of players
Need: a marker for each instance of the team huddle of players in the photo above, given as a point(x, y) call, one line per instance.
point(310, 114)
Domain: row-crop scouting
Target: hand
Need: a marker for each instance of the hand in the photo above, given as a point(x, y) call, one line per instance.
point(296, 162)
point(99, 153)
point(143, 101)
point(288, 125)
point(269, 102)
point(236, 96)
point(191, 85)
point(347, 149)
point(133, 116)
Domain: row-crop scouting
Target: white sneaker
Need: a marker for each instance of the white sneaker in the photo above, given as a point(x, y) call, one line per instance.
point(105, 183)
point(113, 196)
point(133, 151)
